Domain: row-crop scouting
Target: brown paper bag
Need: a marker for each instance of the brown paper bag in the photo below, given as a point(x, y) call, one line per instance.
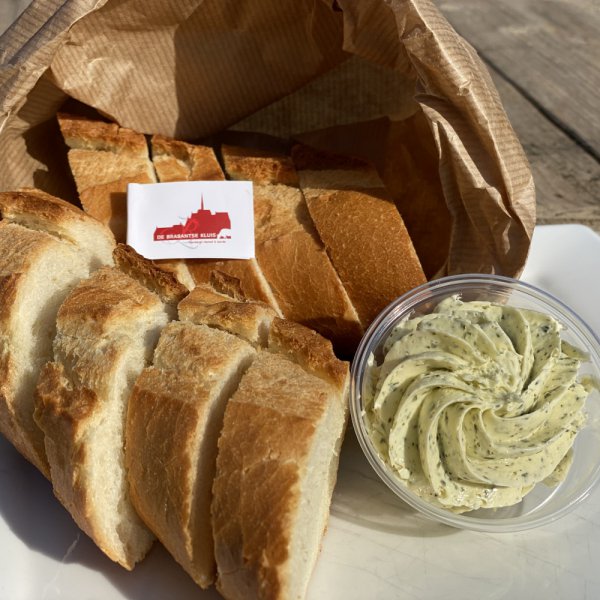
point(388, 81)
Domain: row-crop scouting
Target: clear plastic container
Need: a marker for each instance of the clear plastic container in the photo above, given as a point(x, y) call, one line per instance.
point(543, 504)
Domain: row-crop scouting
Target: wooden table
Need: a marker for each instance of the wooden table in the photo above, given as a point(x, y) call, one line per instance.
point(544, 56)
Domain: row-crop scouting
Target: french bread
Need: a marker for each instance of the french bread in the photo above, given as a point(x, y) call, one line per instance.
point(107, 328)
point(174, 418)
point(248, 320)
point(104, 158)
point(179, 161)
point(372, 252)
point(288, 250)
point(272, 488)
point(46, 247)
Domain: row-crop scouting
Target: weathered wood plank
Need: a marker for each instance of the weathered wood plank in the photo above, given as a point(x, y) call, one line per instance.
point(9, 11)
point(550, 49)
point(567, 178)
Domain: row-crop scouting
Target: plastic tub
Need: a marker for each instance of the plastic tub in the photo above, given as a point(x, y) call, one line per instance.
point(544, 503)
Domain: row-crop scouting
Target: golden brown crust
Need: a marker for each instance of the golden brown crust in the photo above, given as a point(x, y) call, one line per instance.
point(174, 418)
point(104, 332)
point(153, 276)
point(308, 290)
point(299, 272)
point(38, 210)
point(61, 412)
point(36, 203)
point(101, 304)
point(279, 210)
point(252, 283)
point(179, 161)
point(92, 134)
point(372, 253)
point(249, 320)
point(227, 285)
point(259, 166)
point(259, 466)
point(104, 158)
point(311, 351)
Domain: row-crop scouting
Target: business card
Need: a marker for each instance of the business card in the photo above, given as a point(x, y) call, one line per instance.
point(191, 219)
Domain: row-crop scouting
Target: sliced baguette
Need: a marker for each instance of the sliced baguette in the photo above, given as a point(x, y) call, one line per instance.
point(46, 247)
point(104, 158)
point(262, 167)
point(249, 320)
point(350, 209)
point(153, 275)
point(174, 419)
point(288, 250)
point(106, 331)
point(272, 490)
point(179, 161)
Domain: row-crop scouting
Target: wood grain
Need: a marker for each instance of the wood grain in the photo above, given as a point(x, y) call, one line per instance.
point(550, 50)
point(567, 178)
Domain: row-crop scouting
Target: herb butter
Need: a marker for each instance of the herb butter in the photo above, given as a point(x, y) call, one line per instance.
point(476, 403)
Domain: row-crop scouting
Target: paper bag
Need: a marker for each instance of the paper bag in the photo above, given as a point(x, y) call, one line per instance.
point(389, 81)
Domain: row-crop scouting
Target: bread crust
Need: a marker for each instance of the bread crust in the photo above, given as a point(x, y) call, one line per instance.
point(308, 289)
point(372, 277)
point(179, 161)
point(92, 134)
point(302, 279)
point(36, 209)
point(20, 250)
point(252, 282)
point(310, 350)
point(158, 278)
point(105, 158)
point(248, 320)
point(259, 467)
point(74, 393)
point(259, 166)
point(173, 422)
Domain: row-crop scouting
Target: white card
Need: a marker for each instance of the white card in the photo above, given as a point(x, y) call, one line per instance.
point(191, 219)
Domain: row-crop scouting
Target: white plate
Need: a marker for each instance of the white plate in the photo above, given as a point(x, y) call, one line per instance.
point(376, 547)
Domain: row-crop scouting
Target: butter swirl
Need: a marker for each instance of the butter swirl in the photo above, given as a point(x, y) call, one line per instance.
point(476, 403)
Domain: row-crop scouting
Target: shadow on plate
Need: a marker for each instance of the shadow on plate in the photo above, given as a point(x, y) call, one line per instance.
point(362, 498)
point(36, 517)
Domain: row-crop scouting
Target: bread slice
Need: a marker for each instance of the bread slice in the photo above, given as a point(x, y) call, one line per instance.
point(107, 329)
point(288, 250)
point(174, 418)
point(46, 247)
point(104, 158)
point(249, 320)
point(153, 275)
point(179, 161)
point(272, 490)
point(262, 167)
point(350, 216)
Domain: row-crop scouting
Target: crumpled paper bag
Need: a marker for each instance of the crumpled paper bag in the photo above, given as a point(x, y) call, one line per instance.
point(389, 81)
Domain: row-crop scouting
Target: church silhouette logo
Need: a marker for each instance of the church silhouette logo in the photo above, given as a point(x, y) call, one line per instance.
point(200, 225)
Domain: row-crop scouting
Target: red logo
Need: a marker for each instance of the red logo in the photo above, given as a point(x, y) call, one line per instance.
point(201, 225)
